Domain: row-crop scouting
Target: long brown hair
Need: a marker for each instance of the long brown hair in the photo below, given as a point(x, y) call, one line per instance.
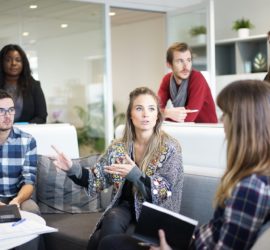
point(246, 105)
point(129, 136)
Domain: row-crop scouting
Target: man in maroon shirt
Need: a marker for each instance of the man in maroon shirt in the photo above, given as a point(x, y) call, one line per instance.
point(186, 88)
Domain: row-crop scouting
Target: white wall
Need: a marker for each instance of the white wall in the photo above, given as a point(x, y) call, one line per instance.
point(65, 71)
point(226, 12)
point(138, 58)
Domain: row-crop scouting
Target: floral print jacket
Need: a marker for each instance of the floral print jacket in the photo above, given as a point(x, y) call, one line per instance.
point(165, 172)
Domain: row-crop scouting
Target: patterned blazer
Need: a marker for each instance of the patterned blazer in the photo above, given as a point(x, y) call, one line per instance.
point(165, 171)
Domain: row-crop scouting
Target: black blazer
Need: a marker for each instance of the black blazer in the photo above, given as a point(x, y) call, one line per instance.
point(34, 105)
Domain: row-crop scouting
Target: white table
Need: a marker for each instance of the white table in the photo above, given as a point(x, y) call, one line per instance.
point(11, 243)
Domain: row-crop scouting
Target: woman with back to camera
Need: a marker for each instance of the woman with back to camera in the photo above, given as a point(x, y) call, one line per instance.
point(144, 165)
point(242, 202)
point(16, 79)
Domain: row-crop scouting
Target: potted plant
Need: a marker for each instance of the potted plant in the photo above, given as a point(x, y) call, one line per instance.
point(198, 32)
point(242, 26)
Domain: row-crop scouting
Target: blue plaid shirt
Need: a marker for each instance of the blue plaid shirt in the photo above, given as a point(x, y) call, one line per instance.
point(18, 162)
point(237, 224)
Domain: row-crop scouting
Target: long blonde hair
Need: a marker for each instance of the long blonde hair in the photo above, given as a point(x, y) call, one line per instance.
point(246, 105)
point(157, 137)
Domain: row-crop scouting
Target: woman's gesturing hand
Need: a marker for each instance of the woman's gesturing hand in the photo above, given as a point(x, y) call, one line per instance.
point(122, 167)
point(61, 161)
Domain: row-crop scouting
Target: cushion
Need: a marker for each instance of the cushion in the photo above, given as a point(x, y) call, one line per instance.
point(57, 193)
point(197, 198)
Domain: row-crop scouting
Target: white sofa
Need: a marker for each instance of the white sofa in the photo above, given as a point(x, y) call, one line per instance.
point(204, 160)
point(203, 146)
point(62, 135)
point(203, 149)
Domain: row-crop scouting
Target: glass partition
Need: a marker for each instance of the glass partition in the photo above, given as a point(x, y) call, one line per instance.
point(195, 26)
point(65, 44)
point(190, 26)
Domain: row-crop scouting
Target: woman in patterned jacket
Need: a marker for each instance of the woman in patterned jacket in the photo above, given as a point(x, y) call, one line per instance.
point(144, 165)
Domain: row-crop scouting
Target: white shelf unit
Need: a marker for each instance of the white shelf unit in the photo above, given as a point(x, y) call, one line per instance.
point(233, 54)
point(199, 57)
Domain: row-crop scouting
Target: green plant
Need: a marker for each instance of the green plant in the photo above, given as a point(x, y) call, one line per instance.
point(197, 30)
point(260, 63)
point(118, 118)
point(92, 131)
point(242, 23)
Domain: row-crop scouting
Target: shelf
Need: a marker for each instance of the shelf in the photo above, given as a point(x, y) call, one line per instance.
point(234, 55)
point(237, 39)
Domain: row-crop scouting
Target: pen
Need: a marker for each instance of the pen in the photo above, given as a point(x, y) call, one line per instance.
point(145, 244)
point(18, 222)
point(192, 110)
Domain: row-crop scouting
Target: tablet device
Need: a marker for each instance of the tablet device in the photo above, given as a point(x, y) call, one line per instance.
point(9, 213)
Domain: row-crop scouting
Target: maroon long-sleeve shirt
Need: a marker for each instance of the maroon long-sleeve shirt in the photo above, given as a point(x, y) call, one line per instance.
point(198, 97)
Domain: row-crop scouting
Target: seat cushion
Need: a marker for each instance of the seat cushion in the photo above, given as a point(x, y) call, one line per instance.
point(74, 230)
point(57, 193)
point(198, 195)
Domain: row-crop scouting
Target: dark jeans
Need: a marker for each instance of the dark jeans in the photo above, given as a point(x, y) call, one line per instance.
point(115, 222)
point(120, 242)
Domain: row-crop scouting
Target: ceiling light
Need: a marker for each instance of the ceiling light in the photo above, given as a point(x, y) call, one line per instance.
point(64, 25)
point(25, 33)
point(33, 6)
point(112, 14)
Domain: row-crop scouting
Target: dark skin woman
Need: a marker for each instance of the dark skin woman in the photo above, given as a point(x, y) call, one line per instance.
point(17, 80)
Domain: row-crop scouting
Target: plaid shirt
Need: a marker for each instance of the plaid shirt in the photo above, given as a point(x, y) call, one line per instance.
point(18, 162)
point(237, 224)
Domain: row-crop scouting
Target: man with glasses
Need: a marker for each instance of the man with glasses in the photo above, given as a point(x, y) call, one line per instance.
point(186, 88)
point(18, 160)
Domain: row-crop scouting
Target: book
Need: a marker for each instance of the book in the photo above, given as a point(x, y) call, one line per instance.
point(9, 213)
point(178, 228)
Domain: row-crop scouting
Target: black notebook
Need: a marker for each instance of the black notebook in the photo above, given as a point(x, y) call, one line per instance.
point(178, 228)
point(9, 213)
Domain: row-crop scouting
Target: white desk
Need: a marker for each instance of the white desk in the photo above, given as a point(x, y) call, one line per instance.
point(62, 135)
point(11, 243)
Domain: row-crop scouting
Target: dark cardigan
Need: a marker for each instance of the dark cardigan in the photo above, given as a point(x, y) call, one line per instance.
point(34, 105)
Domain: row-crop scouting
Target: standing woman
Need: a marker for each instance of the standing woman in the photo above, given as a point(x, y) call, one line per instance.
point(242, 202)
point(16, 79)
point(144, 165)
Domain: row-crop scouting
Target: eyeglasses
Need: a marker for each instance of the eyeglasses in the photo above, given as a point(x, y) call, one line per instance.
point(10, 111)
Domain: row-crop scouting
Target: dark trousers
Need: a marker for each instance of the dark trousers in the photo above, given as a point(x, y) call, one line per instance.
point(115, 222)
point(120, 242)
